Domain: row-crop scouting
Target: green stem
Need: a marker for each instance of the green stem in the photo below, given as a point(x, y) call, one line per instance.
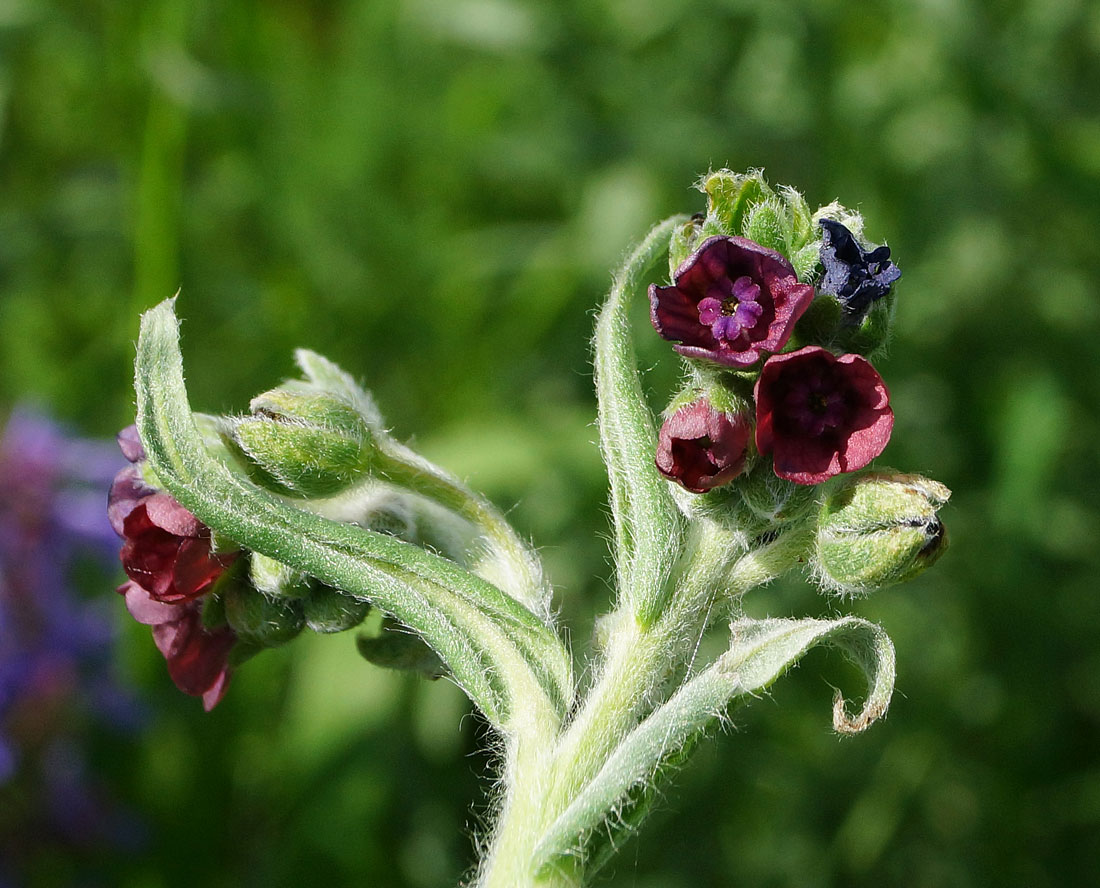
point(512, 565)
point(639, 661)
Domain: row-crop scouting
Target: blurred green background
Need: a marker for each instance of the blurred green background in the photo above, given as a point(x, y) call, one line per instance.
point(433, 193)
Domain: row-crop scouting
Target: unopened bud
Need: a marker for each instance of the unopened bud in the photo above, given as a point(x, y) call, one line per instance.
point(881, 528)
point(277, 579)
point(260, 620)
point(773, 501)
point(397, 648)
point(767, 224)
point(730, 196)
point(305, 443)
point(330, 610)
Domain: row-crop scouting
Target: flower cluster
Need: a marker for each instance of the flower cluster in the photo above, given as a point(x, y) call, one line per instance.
point(735, 305)
point(168, 557)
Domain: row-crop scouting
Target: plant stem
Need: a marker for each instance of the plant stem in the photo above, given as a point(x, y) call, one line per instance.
point(518, 570)
point(638, 662)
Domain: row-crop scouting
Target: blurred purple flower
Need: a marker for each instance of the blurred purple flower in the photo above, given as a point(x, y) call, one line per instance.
point(56, 647)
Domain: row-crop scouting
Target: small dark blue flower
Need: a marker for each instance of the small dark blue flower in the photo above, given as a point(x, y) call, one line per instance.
point(856, 277)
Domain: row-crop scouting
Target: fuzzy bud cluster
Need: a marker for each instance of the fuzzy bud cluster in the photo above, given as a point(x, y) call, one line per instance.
point(320, 442)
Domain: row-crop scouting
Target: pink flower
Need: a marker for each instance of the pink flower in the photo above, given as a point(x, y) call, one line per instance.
point(701, 448)
point(165, 548)
point(197, 657)
point(167, 556)
point(820, 415)
point(731, 300)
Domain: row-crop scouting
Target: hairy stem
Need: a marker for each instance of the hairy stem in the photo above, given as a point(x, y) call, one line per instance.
point(639, 661)
point(518, 570)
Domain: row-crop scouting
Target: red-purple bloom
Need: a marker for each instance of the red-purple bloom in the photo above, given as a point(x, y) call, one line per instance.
point(857, 277)
point(166, 554)
point(701, 448)
point(197, 657)
point(166, 549)
point(730, 301)
point(820, 415)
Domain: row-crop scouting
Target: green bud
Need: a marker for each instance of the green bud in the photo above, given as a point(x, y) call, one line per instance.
point(819, 325)
point(769, 225)
point(397, 648)
point(260, 620)
point(330, 610)
point(879, 529)
point(277, 579)
point(684, 241)
point(774, 501)
point(801, 231)
point(730, 196)
point(872, 335)
point(301, 442)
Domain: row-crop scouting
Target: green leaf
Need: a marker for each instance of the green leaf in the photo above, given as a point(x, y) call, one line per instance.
point(647, 525)
point(510, 663)
point(761, 651)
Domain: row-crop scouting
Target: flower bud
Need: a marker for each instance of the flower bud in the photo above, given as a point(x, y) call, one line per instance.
point(304, 443)
point(276, 579)
point(260, 620)
point(397, 648)
point(766, 225)
point(879, 529)
point(330, 610)
point(701, 448)
point(774, 501)
point(684, 241)
point(730, 196)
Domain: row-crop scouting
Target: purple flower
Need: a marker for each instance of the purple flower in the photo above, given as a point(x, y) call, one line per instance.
point(701, 448)
point(197, 657)
point(730, 301)
point(56, 647)
point(820, 415)
point(166, 549)
point(856, 277)
point(166, 553)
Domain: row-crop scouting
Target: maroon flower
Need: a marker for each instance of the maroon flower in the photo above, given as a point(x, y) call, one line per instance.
point(731, 300)
point(820, 415)
point(166, 554)
point(197, 657)
point(701, 448)
point(165, 549)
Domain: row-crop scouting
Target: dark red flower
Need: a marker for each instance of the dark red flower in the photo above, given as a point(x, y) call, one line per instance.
point(820, 415)
point(165, 548)
point(166, 554)
point(197, 657)
point(730, 301)
point(702, 448)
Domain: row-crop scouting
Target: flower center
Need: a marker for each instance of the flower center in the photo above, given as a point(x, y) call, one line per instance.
point(814, 406)
point(731, 307)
